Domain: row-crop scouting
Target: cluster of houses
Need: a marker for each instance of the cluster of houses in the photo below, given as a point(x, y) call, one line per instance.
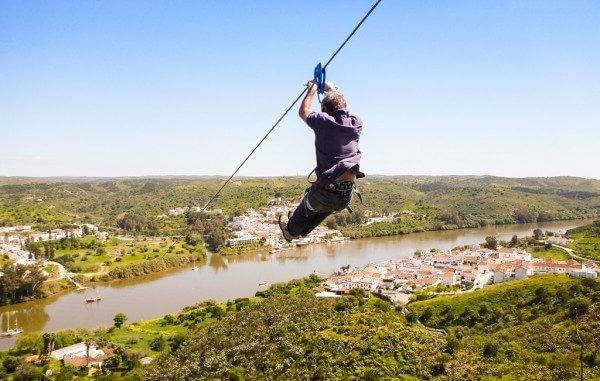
point(255, 226)
point(17, 254)
point(174, 212)
point(466, 268)
point(20, 234)
point(12, 239)
point(262, 226)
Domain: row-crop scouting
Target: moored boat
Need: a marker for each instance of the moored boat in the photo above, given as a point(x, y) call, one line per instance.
point(11, 331)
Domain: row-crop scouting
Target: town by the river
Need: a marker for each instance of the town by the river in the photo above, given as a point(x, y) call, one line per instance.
point(236, 276)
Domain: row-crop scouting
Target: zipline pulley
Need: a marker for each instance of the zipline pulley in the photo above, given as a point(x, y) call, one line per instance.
point(320, 76)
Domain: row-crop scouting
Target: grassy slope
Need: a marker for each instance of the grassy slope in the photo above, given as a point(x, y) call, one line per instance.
point(302, 338)
point(120, 253)
point(532, 332)
point(447, 311)
point(586, 240)
point(521, 333)
point(551, 253)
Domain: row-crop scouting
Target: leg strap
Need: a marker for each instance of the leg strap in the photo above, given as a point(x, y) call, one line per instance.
point(357, 193)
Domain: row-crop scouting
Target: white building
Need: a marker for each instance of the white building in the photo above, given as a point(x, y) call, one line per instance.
point(77, 350)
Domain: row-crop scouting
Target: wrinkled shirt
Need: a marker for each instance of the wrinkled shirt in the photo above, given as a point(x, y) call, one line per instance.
point(336, 144)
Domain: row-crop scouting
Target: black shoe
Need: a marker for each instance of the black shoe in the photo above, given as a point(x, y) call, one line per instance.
point(286, 233)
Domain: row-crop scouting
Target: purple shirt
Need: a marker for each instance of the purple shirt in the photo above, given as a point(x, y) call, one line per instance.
point(336, 143)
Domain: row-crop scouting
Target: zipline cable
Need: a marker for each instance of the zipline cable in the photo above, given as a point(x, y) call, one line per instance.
point(365, 17)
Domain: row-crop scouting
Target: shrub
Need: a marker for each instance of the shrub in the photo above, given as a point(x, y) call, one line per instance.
point(346, 303)
point(411, 317)
point(27, 372)
point(119, 319)
point(490, 350)
point(158, 343)
point(578, 306)
point(491, 242)
point(426, 315)
point(11, 363)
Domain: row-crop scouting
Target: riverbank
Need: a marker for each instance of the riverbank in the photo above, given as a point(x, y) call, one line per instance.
point(409, 224)
point(151, 337)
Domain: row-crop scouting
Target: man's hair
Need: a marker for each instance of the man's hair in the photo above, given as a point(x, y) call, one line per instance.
point(333, 101)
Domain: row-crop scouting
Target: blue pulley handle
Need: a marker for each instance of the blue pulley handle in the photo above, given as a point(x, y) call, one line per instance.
point(320, 76)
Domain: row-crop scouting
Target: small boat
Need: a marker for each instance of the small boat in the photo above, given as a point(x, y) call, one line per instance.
point(93, 299)
point(11, 331)
point(195, 268)
point(262, 283)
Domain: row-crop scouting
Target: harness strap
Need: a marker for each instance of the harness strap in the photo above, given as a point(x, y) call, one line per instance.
point(308, 177)
point(356, 192)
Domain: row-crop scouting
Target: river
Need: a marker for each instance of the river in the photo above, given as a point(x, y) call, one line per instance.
point(232, 277)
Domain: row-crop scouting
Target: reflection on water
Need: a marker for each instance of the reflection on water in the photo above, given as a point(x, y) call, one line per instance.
point(236, 276)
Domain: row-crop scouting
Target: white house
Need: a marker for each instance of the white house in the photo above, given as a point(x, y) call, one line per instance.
point(76, 350)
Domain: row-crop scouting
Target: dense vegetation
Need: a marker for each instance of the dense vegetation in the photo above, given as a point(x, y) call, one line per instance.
point(542, 328)
point(141, 205)
point(532, 329)
point(586, 240)
point(20, 282)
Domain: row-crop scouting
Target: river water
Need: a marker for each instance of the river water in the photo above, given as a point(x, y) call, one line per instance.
point(232, 277)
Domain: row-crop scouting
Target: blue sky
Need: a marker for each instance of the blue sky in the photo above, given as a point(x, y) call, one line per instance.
point(111, 88)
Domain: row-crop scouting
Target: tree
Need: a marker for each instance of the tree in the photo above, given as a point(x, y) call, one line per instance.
point(193, 239)
point(411, 317)
point(216, 235)
point(49, 339)
point(177, 341)
point(27, 372)
point(578, 306)
point(48, 250)
point(120, 319)
point(490, 350)
point(88, 344)
point(426, 314)
point(134, 222)
point(514, 241)
point(67, 372)
point(11, 363)
point(538, 234)
point(158, 343)
point(491, 242)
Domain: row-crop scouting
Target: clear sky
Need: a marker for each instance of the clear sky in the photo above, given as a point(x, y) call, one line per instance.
point(114, 88)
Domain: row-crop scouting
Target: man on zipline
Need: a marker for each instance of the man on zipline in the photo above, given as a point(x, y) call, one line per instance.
point(337, 132)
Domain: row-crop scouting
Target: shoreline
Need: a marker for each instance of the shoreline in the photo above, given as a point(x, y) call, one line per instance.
point(264, 250)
